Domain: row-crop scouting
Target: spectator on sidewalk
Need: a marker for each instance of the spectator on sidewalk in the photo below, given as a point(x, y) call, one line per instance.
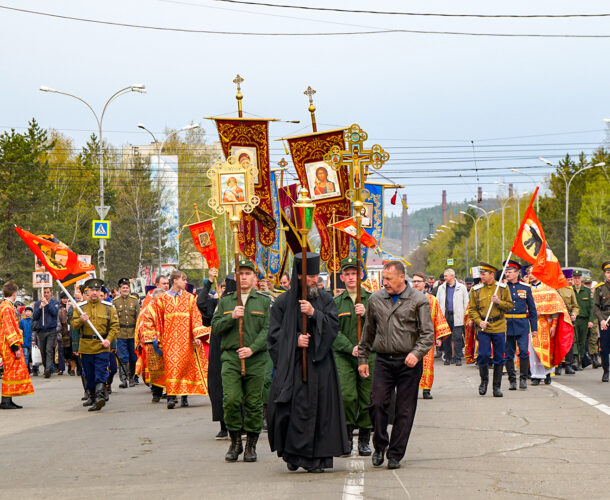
point(45, 314)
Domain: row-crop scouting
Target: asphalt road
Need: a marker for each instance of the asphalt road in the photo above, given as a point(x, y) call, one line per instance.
point(539, 443)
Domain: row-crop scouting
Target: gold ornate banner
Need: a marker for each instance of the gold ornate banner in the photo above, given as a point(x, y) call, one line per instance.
point(326, 187)
point(247, 139)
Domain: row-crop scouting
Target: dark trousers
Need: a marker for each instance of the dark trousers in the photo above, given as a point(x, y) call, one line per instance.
point(95, 367)
point(517, 340)
point(125, 349)
point(486, 340)
point(393, 374)
point(46, 343)
point(604, 342)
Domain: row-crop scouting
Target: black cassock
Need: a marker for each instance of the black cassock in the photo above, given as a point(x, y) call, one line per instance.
point(306, 419)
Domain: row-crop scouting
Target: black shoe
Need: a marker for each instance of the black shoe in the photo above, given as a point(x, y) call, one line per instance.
point(364, 437)
point(576, 367)
point(497, 381)
point(7, 406)
point(484, 374)
point(60, 372)
point(250, 453)
point(90, 398)
point(447, 362)
point(47, 374)
point(547, 379)
point(523, 373)
point(512, 386)
point(184, 402)
point(291, 467)
point(316, 470)
point(512, 375)
point(236, 447)
point(136, 379)
point(71, 373)
point(171, 402)
point(106, 393)
point(569, 370)
point(535, 381)
point(378, 457)
point(393, 463)
point(595, 359)
point(426, 394)
point(100, 401)
point(458, 362)
point(605, 376)
point(222, 435)
point(15, 405)
point(558, 370)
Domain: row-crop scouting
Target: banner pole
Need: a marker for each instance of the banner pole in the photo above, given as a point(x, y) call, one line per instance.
point(64, 289)
point(498, 284)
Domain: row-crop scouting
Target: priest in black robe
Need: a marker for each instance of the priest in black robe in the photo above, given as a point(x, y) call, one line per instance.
point(306, 419)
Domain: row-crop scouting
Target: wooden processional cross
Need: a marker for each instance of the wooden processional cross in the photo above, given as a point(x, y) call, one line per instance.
point(357, 160)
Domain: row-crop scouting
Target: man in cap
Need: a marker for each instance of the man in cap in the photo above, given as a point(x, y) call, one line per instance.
point(180, 333)
point(248, 388)
point(306, 419)
point(95, 354)
point(584, 321)
point(490, 295)
point(355, 390)
point(128, 309)
point(593, 337)
point(398, 327)
point(569, 299)
point(519, 322)
point(601, 308)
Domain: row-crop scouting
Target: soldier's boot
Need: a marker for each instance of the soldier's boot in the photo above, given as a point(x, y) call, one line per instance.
point(171, 402)
point(123, 377)
point(605, 377)
point(265, 424)
point(350, 438)
point(235, 448)
point(497, 382)
point(523, 366)
point(512, 374)
point(99, 398)
point(569, 369)
point(157, 392)
point(106, 393)
point(364, 438)
point(85, 396)
point(90, 398)
point(250, 453)
point(132, 374)
point(577, 364)
point(558, 369)
point(484, 373)
point(569, 360)
point(597, 362)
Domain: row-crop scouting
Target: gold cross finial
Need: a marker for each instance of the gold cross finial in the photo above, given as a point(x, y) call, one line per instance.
point(312, 109)
point(282, 163)
point(239, 96)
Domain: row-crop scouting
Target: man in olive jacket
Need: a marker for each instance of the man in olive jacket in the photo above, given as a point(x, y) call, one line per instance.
point(249, 388)
point(398, 327)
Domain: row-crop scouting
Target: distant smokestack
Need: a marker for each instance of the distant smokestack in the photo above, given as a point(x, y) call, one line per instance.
point(479, 195)
point(444, 204)
point(510, 190)
point(405, 227)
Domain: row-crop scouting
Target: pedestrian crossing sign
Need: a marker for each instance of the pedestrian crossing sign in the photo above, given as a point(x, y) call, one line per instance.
point(449, 262)
point(101, 229)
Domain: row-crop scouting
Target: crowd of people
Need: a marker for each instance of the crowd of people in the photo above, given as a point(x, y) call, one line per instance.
point(309, 367)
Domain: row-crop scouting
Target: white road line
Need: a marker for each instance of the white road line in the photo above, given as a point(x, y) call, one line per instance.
point(354, 482)
point(586, 399)
point(401, 484)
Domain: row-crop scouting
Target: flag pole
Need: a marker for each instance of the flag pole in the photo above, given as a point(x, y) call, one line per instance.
point(65, 290)
point(498, 284)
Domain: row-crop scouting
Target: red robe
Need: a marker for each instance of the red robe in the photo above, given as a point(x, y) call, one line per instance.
point(16, 380)
point(178, 325)
point(153, 368)
point(441, 329)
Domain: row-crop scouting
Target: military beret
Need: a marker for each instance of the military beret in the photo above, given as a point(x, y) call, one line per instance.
point(123, 281)
point(94, 284)
point(349, 262)
point(247, 263)
point(487, 267)
point(606, 266)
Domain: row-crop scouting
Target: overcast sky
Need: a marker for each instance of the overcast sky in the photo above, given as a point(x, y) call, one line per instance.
point(423, 97)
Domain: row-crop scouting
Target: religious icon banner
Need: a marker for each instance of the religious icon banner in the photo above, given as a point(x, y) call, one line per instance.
point(205, 242)
point(372, 218)
point(326, 187)
point(247, 139)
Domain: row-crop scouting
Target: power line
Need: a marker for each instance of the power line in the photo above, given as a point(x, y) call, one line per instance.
point(413, 14)
point(279, 34)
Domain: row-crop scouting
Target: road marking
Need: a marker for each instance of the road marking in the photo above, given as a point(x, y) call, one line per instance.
point(354, 482)
point(401, 484)
point(586, 399)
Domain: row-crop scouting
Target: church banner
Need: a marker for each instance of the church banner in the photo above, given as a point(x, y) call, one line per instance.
point(205, 241)
point(247, 139)
point(326, 187)
point(372, 219)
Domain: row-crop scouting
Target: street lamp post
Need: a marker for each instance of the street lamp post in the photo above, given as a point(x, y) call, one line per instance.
point(102, 210)
point(486, 214)
point(159, 151)
point(516, 170)
point(476, 244)
point(567, 186)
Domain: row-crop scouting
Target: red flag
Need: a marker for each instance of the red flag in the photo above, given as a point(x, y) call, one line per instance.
point(205, 241)
point(56, 257)
point(530, 244)
point(349, 226)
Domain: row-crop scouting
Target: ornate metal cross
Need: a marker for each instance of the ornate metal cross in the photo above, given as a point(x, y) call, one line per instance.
point(312, 109)
point(239, 96)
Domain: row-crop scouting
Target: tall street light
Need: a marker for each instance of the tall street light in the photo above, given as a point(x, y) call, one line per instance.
point(476, 244)
point(516, 170)
point(159, 151)
point(102, 210)
point(486, 214)
point(567, 186)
